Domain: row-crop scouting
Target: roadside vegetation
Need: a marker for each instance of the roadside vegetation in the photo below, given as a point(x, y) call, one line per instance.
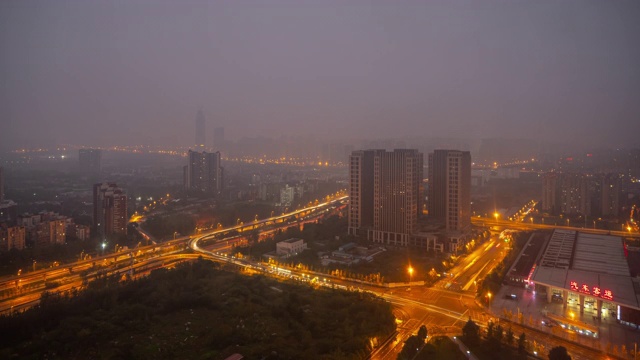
point(198, 311)
point(497, 343)
point(328, 235)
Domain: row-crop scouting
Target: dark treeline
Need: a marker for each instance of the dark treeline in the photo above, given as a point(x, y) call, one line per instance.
point(197, 311)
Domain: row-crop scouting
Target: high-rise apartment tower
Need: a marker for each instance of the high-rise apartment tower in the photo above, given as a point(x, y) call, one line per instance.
point(450, 188)
point(385, 194)
point(109, 209)
point(204, 172)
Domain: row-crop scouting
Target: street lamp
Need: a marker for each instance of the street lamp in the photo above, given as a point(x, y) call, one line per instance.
point(496, 215)
point(410, 270)
point(174, 234)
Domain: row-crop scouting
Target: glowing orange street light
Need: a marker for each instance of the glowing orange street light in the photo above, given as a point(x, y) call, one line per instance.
point(496, 215)
point(410, 270)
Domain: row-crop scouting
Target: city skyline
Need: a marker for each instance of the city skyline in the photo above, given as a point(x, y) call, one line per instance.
point(328, 179)
point(561, 72)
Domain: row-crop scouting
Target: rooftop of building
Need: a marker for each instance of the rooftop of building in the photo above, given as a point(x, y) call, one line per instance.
point(292, 240)
point(529, 254)
point(590, 264)
point(7, 203)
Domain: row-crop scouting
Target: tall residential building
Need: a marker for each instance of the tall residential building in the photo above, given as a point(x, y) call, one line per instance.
point(550, 193)
point(200, 131)
point(361, 191)
point(450, 188)
point(610, 193)
point(287, 195)
point(218, 138)
point(574, 194)
point(109, 210)
point(90, 160)
point(389, 184)
point(204, 173)
point(1, 183)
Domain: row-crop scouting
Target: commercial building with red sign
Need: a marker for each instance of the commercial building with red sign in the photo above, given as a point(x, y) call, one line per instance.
point(590, 271)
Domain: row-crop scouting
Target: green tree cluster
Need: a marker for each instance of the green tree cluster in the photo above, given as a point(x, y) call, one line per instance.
point(197, 311)
point(413, 344)
point(159, 226)
point(497, 344)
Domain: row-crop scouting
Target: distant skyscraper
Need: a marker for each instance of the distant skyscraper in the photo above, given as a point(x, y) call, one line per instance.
point(550, 193)
point(388, 183)
point(574, 194)
point(90, 160)
point(450, 188)
point(109, 209)
point(1, 183)
point(204, 173)
point(200, 131)
point(611, 191)
point(218, 138)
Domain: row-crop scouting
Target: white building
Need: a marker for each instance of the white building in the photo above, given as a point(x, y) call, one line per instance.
point(290, 247)
point(287, 195)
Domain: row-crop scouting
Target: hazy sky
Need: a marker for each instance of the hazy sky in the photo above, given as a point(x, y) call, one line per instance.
point(126, 72)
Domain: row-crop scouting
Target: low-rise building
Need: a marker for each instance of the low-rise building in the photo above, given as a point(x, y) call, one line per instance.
point(82, 232)
point(590, 271)
point(45, 228)
point(290, 247)
point(12, 237)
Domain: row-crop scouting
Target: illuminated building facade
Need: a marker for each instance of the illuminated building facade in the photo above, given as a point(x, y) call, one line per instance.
point(385, 195)
point(450, 188)
point(589, 272)
point(204, 173)
point(109, 209)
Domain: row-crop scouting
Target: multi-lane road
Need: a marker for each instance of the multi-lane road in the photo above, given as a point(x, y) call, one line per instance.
point(21, 291)
point(524, 225)
point(443, 308)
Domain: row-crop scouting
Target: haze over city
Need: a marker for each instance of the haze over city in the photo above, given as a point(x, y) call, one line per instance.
point(73, 71)
point(320, 180)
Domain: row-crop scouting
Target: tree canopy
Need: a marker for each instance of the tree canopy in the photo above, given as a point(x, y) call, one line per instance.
point(198, 311)
point(559, 353)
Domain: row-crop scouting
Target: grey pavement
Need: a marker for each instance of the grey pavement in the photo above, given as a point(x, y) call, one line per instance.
point(533, 309)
